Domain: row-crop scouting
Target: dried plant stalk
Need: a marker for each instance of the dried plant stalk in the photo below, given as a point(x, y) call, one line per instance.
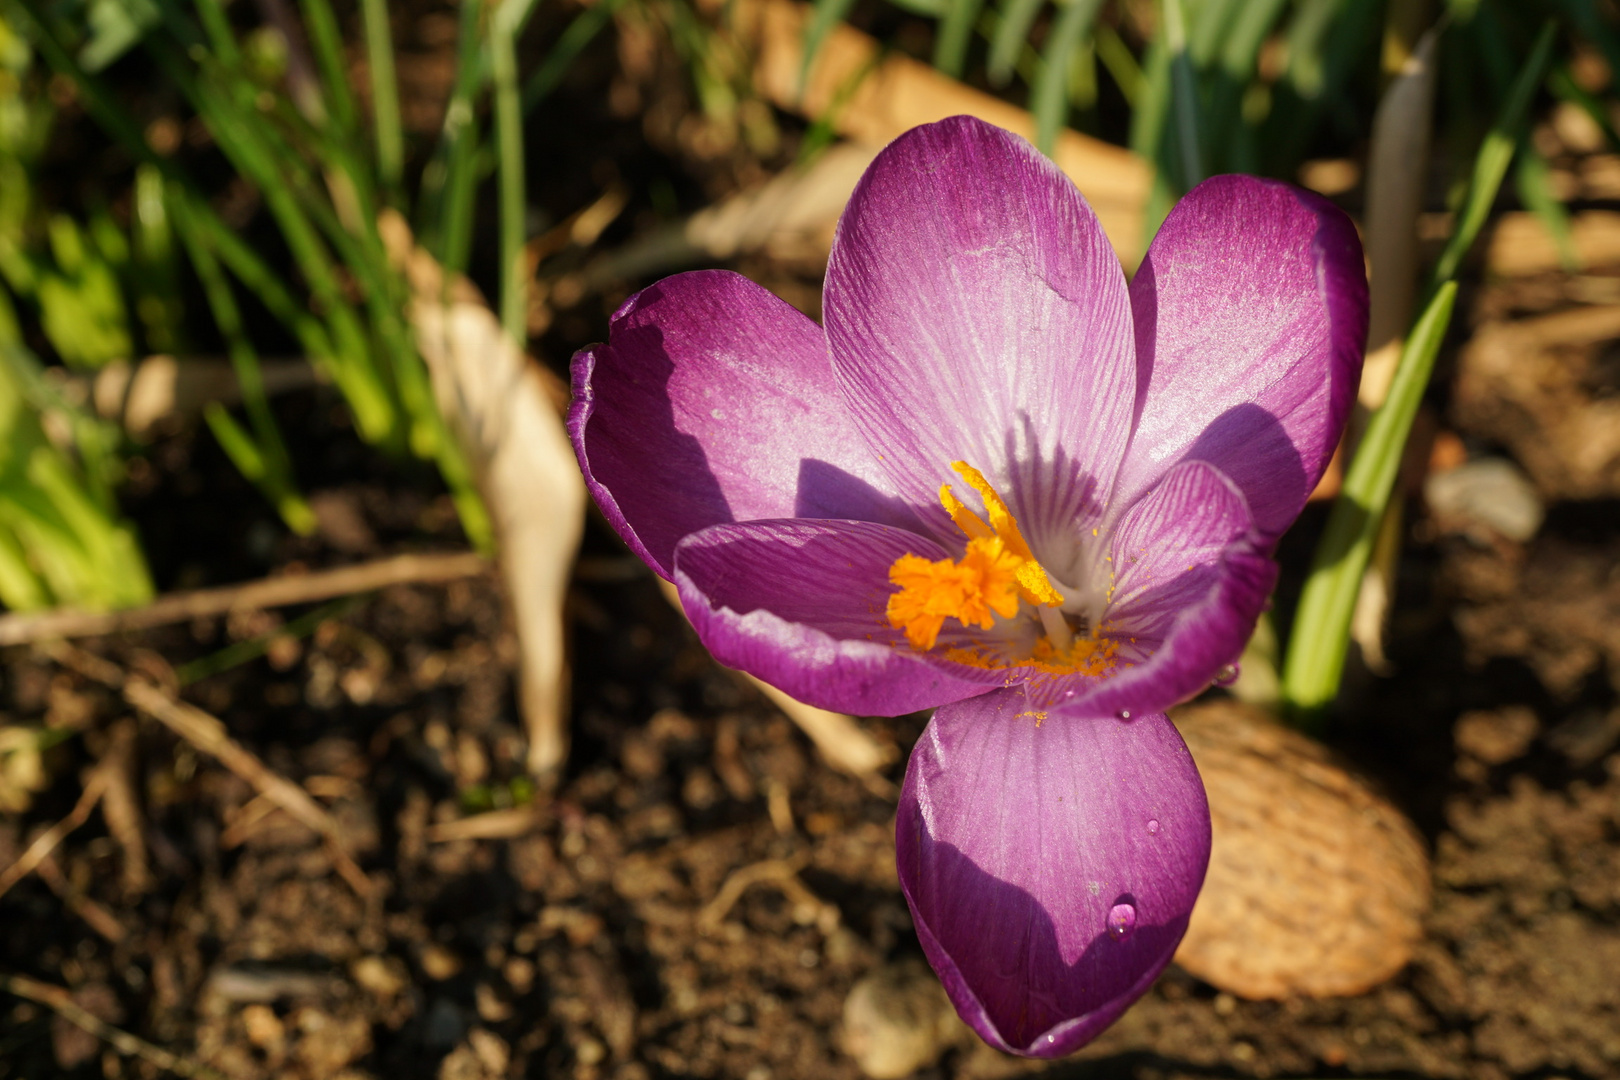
point(499, 405)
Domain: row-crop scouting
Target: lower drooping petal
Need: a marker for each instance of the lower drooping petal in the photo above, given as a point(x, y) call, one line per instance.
point(801, 604)
point(714, 401)
point(1050, 862)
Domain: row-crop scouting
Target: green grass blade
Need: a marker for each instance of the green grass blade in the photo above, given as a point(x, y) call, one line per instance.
point(1121, 64)
point(954, 34)
point(1491, 163)
point(1183, 96)
point(20, 588)
point(384, 97)
point(262, 458)
point(1240, 53)
point(1012, 33)
point(509, 143)
point(570, 43)
point(241, 652)
point(1321, 634)
point(326, 41)
point(442, 209)
point(1049, 100)
point(1307, 34)
point(1206, 23)
point(1533, 180)
point(825, 14)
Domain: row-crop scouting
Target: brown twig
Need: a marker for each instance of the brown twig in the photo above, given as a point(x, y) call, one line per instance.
point(59, 1001)
point(47, 841)
point(23, 628)
point(782, 873)
point(121, 807)
point(491, 825)
point(97, 917)
point(207, 733)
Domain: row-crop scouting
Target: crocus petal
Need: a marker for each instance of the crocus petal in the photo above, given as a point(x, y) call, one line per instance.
point(801, 604)
point(1022, 837)
point(976, 312)
point(1251, 315)
point(1190, 579)
point(714, 401)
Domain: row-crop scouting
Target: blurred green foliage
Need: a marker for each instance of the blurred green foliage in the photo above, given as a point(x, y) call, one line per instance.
point(61, 538)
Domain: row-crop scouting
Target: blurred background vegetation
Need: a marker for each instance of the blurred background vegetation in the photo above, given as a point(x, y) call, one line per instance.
point(205, 179)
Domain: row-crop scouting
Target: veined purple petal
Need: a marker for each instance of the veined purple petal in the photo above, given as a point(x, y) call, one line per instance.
point(1050, 862)
point(801, 604)
point(1190, 579)
point(976, 312)
point(1251, 316)
point(714, 401)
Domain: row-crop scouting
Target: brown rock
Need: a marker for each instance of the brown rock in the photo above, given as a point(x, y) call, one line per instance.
point(1317, 886)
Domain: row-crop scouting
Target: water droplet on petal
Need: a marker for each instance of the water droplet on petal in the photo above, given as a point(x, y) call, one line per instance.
point(1226, 676)
point(1124, 714)
point(1153, 825)
point(1121, 921)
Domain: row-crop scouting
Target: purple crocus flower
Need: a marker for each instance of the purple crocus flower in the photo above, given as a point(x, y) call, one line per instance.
point(1002, 484)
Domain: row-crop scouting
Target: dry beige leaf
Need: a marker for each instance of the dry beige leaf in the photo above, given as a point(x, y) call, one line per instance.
point(872, 99)
point(1397, 174)
point(1317, 886)
point(1396, 178)
point(791, 216)
point(160, 390)
point(496, 401)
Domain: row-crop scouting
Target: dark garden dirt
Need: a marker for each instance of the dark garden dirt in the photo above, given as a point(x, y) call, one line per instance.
point(592, 944)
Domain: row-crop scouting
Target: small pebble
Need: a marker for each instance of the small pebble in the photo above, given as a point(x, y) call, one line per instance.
point(1484, 496)
point(519, 974)
point(1496, 736)
point(898, 1020)
point(381, 975)
point(264, 1028)
point(439, 963)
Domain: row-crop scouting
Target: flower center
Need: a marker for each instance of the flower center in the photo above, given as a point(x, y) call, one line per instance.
point(997, 575)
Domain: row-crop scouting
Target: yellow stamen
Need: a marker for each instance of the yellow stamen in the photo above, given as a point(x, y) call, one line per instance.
point(996, 572)
point(1032, 579)
point(966, 520)
point(969, 591)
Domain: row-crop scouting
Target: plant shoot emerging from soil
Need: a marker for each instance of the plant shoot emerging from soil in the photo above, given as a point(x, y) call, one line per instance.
point(1005, 485)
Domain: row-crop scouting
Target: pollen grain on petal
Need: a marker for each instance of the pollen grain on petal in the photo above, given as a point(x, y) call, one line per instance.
point(1085, 656)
